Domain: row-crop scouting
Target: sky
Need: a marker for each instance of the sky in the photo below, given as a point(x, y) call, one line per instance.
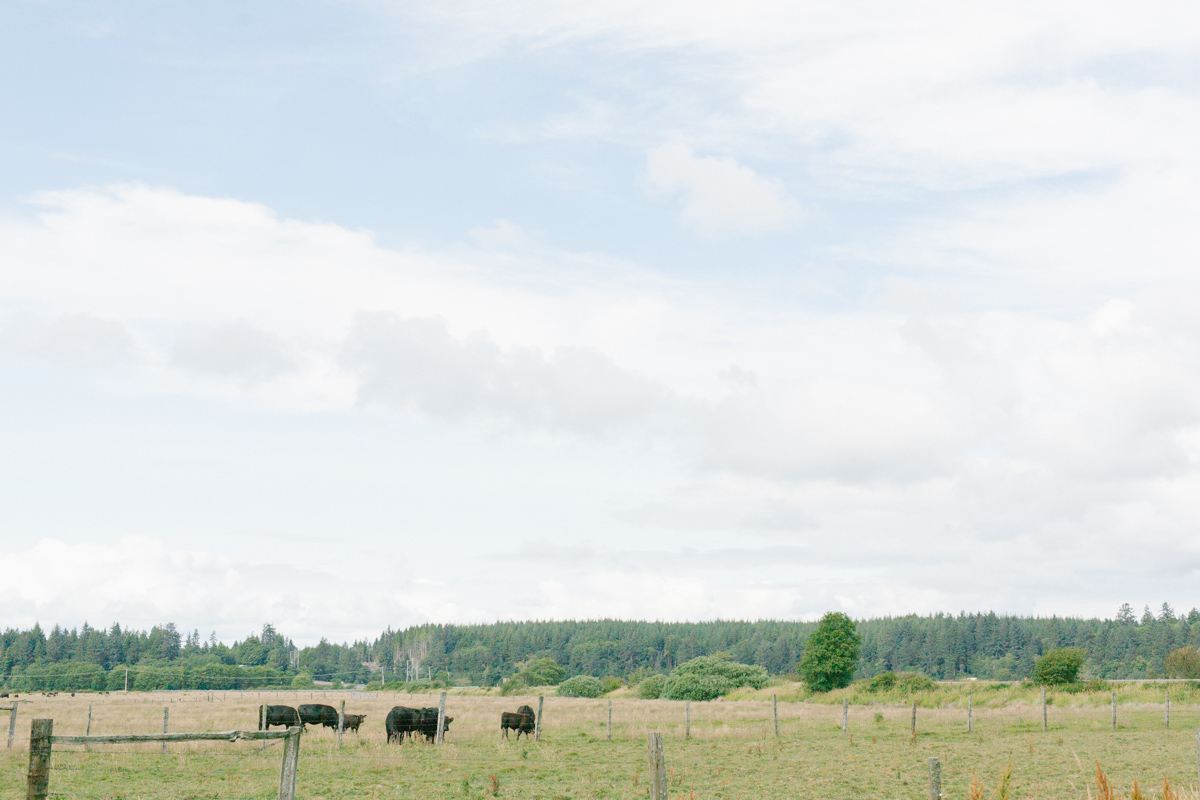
point(351, 315)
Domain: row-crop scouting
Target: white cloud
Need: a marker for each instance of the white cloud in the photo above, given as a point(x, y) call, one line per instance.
point(236, 350)
point(140, 581)
point(70, 339)
point(864, 437)
point(721, 197)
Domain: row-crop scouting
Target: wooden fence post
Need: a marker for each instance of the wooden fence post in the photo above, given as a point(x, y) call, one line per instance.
point(1167, 721)
point(88, 732)
point(165, 712)
point(291, 760)
point(1114, 710)
point(658, 767)
point(37, 785)
point(935, 779)
point(970, 711)
point(610, 720)
point(127, 680)
point(845, 714)
point(537, 725)
point(441, 723)
point(342, 721)
point(1044, 708)
point(12, 725)
point(687, 719)
point(914, 720)
point(775, 713)
point(1198, 754)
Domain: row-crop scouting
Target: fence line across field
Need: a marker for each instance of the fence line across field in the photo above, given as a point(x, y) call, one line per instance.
point(42, 741)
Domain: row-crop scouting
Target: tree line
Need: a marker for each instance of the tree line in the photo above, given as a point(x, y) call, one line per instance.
point(942, 646)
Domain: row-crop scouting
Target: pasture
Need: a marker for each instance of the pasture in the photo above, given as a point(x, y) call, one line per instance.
point(732, 751)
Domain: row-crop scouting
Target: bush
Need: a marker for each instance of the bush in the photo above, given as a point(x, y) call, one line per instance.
point(580, 686)
point(1058, 666)
point(709, 677)
point(906, 682)
point(541, 672)
point(610, 684)
point(830, 654)
point(651, 688)
point(1183, 663)
point(302, 681)
point(514, 685)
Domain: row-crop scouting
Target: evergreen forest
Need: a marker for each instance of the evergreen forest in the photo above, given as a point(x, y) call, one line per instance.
point(943, 646)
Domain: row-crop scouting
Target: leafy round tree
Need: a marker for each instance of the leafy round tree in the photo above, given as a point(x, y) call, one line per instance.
point(830, 654)
point(1060, 665)
point(1183, 663)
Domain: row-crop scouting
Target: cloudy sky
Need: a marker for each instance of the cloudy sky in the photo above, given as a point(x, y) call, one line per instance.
point(342, 315)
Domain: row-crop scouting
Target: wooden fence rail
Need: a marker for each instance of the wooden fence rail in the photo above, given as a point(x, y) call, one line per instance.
point(42, 741)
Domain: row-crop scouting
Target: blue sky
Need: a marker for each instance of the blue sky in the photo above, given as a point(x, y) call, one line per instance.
point(340, 315)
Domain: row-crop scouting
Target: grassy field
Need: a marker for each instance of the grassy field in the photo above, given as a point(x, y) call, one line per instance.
point(732, 752)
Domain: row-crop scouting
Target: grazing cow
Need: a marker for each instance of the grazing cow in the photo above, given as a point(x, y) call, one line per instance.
point(284, 716)
point(521, 721)
point(351, 722)
point(402, 721)
point(316, 714)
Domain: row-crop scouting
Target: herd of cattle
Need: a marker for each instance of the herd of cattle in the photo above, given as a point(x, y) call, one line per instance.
point(401, 721)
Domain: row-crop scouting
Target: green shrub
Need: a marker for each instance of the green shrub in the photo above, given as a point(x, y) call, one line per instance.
point(541, 672)
point(651, 688)
point(830, 654)
point(580, 686)
point(709, 677)
point(1058, 666)
point(883, 682)
point(514, 685)
point(1183, 663)
point(610, 684)
point(302, 681)
point(906, 682)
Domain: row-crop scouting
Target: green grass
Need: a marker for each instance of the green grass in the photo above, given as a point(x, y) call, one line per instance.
point(732, 753)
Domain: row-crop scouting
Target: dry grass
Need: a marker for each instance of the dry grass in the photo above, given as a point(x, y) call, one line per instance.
point(732, 752)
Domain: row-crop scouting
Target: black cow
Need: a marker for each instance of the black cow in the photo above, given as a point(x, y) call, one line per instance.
point(316, 714)
point(402, 721)
point(352, 721)
point(284, 716)
point(521, 721)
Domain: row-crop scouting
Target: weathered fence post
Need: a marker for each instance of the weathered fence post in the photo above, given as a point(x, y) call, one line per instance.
point(291, 760)
point(935, 779)
point(165, 712)
point(262, 718)
point(38, 780)
point(12, 725)
point(1114, 710)
point(537, 724)
point(342, 720)
point(658, 767)
point(610, 720)
point(88, 732)
point(1198, 754)
point(1167, 721)
point(775, 713)
point(687, 719)
point(970, 711)
point(127, 679)
point(845, 714)
point(441, 728)
point(1044, 708)
point(914, 720)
